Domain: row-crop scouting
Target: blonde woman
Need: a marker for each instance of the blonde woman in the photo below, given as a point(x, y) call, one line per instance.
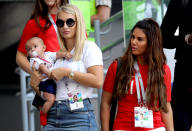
point(78, 76)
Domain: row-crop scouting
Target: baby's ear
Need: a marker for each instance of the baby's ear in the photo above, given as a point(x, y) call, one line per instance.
point(44, 47)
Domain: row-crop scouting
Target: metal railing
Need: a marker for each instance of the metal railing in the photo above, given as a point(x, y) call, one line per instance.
point(108, 47)
point(28, 114)
point(108, 22)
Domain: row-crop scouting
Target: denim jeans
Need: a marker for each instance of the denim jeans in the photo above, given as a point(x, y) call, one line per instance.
point(61, 118)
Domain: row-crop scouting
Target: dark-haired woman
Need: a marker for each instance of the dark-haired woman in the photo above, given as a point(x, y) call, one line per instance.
point(41, 24)
point(143, 86)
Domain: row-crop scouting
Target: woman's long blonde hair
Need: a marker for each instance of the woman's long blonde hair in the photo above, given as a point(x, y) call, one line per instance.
point(80, 35)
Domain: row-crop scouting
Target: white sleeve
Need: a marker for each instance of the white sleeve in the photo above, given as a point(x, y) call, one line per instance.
point(93, 55)
point(103, 2)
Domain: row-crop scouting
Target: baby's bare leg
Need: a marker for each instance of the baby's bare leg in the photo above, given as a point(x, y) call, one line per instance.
point(50, 101)
point(43, 69)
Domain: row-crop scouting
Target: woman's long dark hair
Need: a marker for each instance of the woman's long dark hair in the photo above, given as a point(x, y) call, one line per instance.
point(41, 10)
point(156, 91)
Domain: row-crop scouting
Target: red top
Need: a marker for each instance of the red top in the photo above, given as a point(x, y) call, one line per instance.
point(125, 115)
point(33, 30)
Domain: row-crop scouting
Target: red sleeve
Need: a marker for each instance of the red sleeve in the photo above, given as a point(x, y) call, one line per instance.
point(31, 29)
point(110, 78)
point(167, 80)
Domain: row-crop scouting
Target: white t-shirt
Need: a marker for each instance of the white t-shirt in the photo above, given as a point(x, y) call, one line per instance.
point(91, 56)
point(49, 60)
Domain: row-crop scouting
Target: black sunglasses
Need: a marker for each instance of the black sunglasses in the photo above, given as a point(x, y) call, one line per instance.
point(70, 22)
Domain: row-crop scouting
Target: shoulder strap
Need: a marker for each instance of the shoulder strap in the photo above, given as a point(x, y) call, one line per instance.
point(114, 101)
point(118, 67)
point(118, 63)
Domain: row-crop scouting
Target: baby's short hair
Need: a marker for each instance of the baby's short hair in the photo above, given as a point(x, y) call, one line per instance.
point(33, 38)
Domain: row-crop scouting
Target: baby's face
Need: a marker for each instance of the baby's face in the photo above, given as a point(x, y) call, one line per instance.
point(35, 48)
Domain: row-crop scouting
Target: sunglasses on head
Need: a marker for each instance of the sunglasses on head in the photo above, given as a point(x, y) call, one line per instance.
point(70, 22)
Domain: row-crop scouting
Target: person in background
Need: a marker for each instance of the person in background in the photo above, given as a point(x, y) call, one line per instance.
point(78, 76)
point(103, 8)
point(178, 16)
point(143, 81)
point(93, 10)
point(41, 24)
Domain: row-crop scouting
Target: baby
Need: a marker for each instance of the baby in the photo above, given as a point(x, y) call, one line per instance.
point(44, 62)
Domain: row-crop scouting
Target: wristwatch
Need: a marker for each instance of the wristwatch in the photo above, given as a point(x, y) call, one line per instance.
point(71, 75)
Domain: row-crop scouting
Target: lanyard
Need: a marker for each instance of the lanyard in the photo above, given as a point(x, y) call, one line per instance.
point(138, 80)
point(52, 21)
point(77, 89)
